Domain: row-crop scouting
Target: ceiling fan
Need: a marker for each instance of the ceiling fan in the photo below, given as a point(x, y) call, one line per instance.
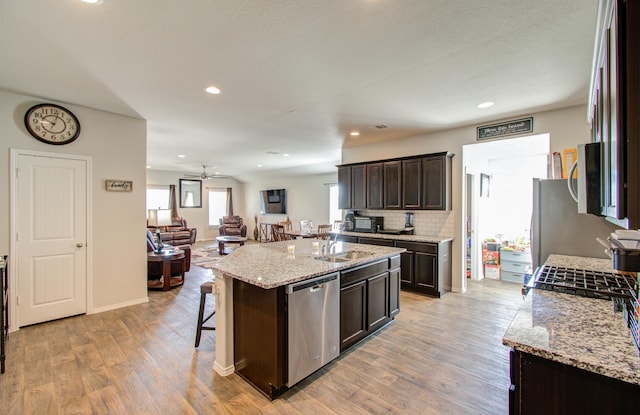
point(204, 175)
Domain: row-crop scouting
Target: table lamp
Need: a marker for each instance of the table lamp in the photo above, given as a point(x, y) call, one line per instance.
point(157, 218)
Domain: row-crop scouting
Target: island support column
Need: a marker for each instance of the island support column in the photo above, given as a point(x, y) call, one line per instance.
point(223, 363)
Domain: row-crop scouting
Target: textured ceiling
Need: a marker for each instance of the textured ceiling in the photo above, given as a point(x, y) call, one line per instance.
point(296, 75)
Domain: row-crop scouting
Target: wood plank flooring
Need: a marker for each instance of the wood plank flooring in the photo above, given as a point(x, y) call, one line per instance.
point(440, 356)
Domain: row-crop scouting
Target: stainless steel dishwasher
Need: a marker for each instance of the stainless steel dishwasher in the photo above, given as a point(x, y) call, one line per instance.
point(314, 325)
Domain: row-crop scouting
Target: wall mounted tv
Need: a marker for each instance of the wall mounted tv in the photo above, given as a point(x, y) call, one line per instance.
point(273, 201)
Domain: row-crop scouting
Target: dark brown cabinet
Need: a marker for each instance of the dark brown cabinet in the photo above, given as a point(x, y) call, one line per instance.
point(425, 267)
point(344, 187)
point(436, 173)
point(375, 241)
point(353, 313)
point(359, 186)
point(374, 186)
point(614, 111)
point(542, 386)
point(392, 185)
point(412, 184)
point(417, 182)
point(368, 299)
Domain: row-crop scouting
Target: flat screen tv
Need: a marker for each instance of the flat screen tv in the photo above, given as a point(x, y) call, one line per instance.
point(273, 201)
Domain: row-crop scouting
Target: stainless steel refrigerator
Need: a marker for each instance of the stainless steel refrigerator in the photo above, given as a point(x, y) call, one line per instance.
point(558, 228)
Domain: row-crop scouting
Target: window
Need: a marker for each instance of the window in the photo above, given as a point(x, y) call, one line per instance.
point(157, 197)
point(217, 205)
point(334, 213)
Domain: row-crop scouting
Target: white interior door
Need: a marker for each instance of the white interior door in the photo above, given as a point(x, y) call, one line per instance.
point(51, 200)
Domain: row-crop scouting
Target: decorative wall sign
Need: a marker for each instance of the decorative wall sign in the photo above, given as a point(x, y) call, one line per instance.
point(119, 185)
point(524, 125)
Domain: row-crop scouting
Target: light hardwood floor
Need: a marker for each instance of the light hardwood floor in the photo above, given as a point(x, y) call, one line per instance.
point(440, 356)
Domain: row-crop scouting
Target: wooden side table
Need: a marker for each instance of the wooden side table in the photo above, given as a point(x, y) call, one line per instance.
point(166, 257)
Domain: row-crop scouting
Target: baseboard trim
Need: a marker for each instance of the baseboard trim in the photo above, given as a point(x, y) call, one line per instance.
point(119, 305)
point(223, 371)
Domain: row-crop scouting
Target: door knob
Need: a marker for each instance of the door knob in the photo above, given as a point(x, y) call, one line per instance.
point(79, 245)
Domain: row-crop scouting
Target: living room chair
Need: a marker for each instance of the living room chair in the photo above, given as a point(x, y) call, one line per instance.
point(232, 226)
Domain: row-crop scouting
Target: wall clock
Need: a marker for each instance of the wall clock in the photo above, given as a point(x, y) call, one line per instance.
point(52, 124)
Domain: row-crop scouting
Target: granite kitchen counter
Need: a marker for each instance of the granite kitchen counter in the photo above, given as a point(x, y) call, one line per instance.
point(270, 265)
point(573, 330)
point(395, 237)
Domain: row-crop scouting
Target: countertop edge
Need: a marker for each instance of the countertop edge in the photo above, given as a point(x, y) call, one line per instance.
point(401, 237)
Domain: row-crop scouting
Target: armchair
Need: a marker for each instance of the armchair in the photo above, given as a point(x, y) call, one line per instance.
point(154, 269)
point(232, 226)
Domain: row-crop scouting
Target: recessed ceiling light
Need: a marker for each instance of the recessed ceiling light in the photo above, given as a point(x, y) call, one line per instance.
point(148, 167)
point(285, 155)
point(181, 156)
point(92, 1)
point(486, 104)
point(212, 90)
point(354, 133)
point(259, 165)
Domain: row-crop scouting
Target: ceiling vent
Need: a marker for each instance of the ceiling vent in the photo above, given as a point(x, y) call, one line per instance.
point(379, 127)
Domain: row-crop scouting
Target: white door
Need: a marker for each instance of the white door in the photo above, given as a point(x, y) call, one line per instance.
point(51, 200)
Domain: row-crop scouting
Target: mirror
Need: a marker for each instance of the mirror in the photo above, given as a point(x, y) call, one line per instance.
point(190, 193)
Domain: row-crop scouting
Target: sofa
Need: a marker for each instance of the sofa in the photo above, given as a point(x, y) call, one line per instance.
point(154, 269)
point(178, 233)
point(232, 226)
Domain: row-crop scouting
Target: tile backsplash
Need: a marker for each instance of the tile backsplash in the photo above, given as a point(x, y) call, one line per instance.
point(426, 222)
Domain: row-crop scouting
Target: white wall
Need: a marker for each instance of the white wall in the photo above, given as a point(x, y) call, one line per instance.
point(307, 198)
point(567, 127)
point(117, 147)
point(199, 217)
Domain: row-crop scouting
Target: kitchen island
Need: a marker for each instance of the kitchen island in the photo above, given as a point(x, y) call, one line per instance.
point(572, 354)
point(254, 283)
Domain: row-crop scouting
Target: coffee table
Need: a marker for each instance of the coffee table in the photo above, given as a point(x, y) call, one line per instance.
point(229, 240)
point(166, 257)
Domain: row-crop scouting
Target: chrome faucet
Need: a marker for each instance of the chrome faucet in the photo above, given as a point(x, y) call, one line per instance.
point(332, 244)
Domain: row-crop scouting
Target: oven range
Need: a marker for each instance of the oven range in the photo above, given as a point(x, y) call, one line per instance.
point(585, 283)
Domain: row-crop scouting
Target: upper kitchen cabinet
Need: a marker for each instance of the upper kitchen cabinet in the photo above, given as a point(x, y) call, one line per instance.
point(412, 183)
point(392, 184)
point(417, 182)
point(437, 182)
point(614, 110)
point(375, 186)
point(359, 186)
point(344, 187)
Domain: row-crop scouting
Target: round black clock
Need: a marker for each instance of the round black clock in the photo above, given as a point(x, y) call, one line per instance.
point(52, 124)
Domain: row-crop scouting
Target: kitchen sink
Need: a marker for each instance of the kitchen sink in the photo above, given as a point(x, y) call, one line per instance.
point(344, 256)
point(331, 258)
point(354, 254)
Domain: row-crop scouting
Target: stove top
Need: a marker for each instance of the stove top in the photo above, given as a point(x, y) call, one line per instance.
point(594, 284)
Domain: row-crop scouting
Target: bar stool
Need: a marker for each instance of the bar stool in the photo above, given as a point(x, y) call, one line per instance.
point(205, 288)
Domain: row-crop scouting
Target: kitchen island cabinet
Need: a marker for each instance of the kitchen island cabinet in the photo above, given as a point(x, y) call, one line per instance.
point(260, 302)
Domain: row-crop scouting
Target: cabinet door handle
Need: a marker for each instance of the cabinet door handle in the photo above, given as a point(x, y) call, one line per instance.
point(79, 245)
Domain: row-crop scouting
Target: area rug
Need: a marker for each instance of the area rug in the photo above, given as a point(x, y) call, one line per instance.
point(205, 257)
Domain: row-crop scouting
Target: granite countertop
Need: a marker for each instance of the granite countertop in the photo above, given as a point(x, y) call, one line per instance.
point(577, 331)
point(402, 237)
point(270, 265)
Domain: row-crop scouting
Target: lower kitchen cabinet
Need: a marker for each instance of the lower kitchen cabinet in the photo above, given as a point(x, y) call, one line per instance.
point(541, 386)
point(426, 266)
point(369, 299)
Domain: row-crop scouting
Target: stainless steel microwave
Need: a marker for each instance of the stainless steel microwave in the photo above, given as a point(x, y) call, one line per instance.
point(587, 189)
point(368, 223)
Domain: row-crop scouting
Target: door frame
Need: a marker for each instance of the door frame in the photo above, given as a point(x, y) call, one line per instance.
point(14, 154)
